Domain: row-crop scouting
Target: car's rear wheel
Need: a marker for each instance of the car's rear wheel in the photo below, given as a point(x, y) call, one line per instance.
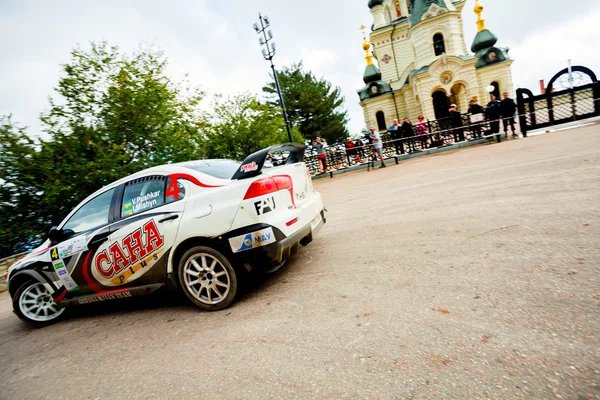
point(33, 303)
point(207, 278)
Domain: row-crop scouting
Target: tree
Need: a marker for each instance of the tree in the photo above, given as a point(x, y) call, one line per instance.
point(115, 115)
point(18, 197)
point(242, 125)
point(313, 105)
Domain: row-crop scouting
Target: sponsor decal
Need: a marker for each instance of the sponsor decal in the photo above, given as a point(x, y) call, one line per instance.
point(300, 196)
point(249, 167)
point(72, 246)
point(63, 274)
point(141, 203)
point(252, 240)
point(105, 297)
point(116, 264)
point(264, 206)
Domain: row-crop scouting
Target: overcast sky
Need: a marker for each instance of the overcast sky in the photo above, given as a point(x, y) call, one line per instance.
point(214, 41)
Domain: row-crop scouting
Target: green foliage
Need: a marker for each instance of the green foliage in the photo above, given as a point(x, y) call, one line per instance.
point(19, 196)
point(242, 125)
point(313, 105)
point(116, 115)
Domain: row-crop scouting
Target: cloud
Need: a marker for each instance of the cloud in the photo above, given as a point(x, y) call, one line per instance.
point(215, 44)
point(543, 53)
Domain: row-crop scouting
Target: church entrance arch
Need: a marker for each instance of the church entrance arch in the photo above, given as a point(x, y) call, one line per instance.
point(441, 104)
point(458, 96)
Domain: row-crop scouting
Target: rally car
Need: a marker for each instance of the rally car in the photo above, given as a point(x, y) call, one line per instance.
point(200, 225)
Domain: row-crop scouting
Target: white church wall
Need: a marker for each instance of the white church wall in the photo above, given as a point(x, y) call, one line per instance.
point(495, 73)
point(382, 103)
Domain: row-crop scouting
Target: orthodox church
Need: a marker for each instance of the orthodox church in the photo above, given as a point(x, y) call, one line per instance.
point(424, 65)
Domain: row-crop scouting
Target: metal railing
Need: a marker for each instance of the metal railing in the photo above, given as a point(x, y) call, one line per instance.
point(440, 133)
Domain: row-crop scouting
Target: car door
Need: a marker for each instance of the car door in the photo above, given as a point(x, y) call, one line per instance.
point(147, 219)
point(89, 226)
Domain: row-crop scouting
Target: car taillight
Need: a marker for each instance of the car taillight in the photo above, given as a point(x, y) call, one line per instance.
point(260, 188)
point(273, 184)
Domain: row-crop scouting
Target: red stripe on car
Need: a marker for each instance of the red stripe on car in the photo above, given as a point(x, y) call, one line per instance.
point(192, 179)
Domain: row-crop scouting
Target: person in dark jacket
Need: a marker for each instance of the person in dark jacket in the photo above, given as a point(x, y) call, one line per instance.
point(456, 123)
point(476, 112)
point(493, 113)
point(396, 132)
point(508, 109)
point(408, 133)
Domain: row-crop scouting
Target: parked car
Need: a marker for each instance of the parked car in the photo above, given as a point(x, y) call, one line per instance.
point(197, 224)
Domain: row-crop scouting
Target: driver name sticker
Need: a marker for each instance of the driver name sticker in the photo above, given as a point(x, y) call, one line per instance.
point(141, 203)
point(71, 247)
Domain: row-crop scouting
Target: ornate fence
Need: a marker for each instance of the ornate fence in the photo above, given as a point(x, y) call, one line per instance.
point(440, 133)
point(570, 96)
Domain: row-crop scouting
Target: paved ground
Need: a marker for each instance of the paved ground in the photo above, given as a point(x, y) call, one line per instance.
point(473, 274)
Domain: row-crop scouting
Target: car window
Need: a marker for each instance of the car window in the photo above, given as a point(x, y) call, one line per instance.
point(92, 214)
point(222, 169)
point(143, 194)
point(174, 194)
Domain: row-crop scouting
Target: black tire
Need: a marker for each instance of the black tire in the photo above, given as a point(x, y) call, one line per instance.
point(27, 290)
point(209, 283)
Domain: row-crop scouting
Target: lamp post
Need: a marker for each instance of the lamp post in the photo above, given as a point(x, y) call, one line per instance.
point(268, 53)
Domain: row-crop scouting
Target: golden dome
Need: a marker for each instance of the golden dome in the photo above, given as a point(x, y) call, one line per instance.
point(366, 45)
point(480, 21)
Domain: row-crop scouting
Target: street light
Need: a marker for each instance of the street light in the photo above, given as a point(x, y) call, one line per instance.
point(268, 53)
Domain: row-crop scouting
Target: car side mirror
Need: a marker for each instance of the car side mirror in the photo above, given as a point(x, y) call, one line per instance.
point(58, 235)
point(67, 234)
point(55, 235)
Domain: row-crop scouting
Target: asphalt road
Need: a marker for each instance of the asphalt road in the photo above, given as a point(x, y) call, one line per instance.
point(471, 274)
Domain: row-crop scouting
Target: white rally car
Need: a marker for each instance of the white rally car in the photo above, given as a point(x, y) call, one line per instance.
point(196, 224)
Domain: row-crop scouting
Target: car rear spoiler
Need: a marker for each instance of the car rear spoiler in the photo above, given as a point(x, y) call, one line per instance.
point(254, 163)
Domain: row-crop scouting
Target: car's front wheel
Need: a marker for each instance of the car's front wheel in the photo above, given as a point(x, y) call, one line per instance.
point(207, 278)
point(34, 304)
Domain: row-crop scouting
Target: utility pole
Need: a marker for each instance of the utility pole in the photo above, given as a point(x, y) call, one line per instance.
point(268, 53)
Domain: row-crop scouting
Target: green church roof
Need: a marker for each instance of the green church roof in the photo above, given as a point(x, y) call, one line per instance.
point(371, 74)
point(483, 40)
point(373, 3)
point(420, 7)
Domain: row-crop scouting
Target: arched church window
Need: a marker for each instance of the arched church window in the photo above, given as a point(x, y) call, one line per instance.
point(380, 121)
point(438, 44)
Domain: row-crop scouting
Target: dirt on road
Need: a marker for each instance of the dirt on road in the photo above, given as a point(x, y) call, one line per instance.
point(473, 274)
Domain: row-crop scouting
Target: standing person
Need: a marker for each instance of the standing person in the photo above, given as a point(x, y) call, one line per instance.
point(421, 128)
point(321, 155)
point(508, 108)
point(456, 123)
point(351, 151)
point(476, 112)
point(493, 113)
point(377, 146)
point(408, 132)
point(396, 132)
